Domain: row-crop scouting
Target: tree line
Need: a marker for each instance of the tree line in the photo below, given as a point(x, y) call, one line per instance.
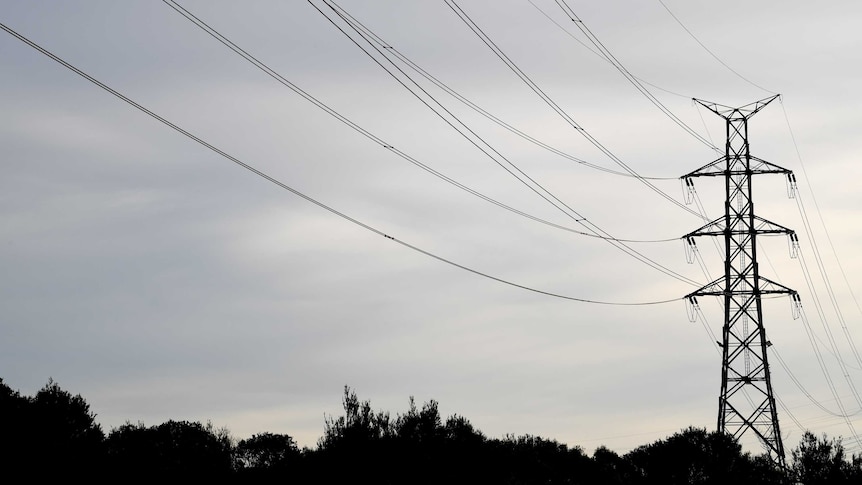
point(53, 434)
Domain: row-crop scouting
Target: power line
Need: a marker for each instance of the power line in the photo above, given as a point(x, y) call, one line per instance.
point(612, 60)
point(374, 138)
point(485, 147)
point(600, 56)
point(828, 238)
point(805, 392)
point(712, 53)
point(296, 192)
point(629, 76)
point(829, 335)
point(551, 103)
point(463, 99)
point(825, 277)
point(829, 381)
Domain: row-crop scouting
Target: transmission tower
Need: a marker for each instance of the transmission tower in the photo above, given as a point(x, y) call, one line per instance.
point(746, 402)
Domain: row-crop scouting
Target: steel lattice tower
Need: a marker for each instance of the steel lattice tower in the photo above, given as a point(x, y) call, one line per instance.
point(746, 402)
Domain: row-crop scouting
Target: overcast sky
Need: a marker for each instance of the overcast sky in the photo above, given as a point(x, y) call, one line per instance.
point(161, 281)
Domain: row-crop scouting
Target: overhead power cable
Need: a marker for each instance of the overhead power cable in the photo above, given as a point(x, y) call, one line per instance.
point(296, 192)
point(813, 242)
point(628, 75)
point(449, 118)
point(597, 53)
point(374, 138)
point(786, 410)
point(470, 104)
point(817, 206)
point(551, 103)
point(689, 32)
point(843, 411)
point(483, 146)
point(805, 392)
point(824, 322)
point(825, 278)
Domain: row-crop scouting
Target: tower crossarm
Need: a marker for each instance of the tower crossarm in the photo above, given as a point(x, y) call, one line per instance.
point(760, 166)
point(719, 168)
point(711, 169)
point(765, 287)
point(769, 287)
point(713, 288)
point(746, 111)
point(718, 227)
point(769, 227)
point(714, 228)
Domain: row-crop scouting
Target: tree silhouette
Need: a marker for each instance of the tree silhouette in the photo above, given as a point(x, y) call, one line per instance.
point(609, 468)
point(694, 456)
point(820, 461)
point(355, 446)
point(466, 452)
point(419, 442)
point(18, 442)
point(528, 460)
point(270, 458)
point(54, 434)
point(64, 433)
point(266, 451)
point(176, 449)
point(358, 425)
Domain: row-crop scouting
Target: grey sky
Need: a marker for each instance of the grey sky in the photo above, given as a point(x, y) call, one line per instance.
point(161, 281)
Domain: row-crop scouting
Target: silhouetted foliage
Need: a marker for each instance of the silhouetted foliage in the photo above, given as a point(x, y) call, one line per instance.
point(55, 433)
point(359, 442)
point(694, 456)
point(65, 432)
point(820, 461)
point(418, 441)
point(527, 460)
point(266, 450)
point(176, 449)
point(610, 468)
point(271, 458)
point(358, 425)
point(465, 456)
point(18, 440)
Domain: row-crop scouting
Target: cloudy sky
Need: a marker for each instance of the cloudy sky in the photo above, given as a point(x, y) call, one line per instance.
point(161, 281)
